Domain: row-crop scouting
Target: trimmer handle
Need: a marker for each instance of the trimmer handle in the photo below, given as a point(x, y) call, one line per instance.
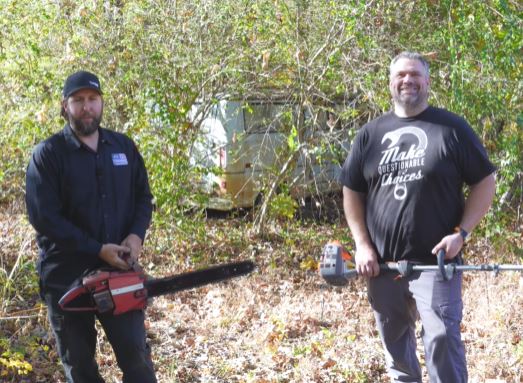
point(447, 270)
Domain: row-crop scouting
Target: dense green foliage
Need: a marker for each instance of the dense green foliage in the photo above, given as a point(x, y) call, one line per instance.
point(156, 57)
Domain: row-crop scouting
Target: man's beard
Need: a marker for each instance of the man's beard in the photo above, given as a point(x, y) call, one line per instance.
point(84, 129)
point(410, 101)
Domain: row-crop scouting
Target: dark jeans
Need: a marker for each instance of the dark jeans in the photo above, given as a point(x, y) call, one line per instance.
point(75, 336)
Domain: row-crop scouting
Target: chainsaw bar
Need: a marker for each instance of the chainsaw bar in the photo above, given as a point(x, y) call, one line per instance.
point(192, 279)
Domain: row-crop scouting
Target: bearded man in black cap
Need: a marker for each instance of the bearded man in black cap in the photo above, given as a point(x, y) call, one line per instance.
point(88, 198)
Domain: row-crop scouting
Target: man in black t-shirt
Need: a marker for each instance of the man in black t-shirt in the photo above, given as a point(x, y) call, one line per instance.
point(403, 200)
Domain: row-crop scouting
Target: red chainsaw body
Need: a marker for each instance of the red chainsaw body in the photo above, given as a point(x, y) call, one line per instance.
point(108, 291)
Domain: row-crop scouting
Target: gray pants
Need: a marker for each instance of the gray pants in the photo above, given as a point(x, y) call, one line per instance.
point(397, 302)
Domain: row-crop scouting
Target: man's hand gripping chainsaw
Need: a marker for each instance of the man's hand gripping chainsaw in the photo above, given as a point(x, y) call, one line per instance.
point(337, 266)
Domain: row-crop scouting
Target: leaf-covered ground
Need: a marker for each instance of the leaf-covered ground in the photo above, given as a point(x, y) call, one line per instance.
point(280, 324)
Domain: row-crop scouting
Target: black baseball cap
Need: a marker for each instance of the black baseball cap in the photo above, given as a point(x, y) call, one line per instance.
point(81, 80)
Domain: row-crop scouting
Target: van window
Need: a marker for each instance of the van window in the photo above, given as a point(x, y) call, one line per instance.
point(264, 118)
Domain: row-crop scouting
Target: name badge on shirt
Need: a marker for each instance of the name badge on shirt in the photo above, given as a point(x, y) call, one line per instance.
point(119, 159)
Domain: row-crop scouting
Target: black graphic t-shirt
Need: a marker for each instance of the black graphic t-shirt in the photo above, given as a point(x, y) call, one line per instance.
point(412, 171)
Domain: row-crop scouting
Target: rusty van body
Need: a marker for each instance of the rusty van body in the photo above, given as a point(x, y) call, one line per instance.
point(240, 141)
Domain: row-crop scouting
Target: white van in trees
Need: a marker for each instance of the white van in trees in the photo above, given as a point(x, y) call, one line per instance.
point(243, 144)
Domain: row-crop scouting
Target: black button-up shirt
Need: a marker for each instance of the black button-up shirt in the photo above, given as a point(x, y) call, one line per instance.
point(78, 199)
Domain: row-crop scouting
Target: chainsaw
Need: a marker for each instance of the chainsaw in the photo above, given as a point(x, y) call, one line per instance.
point(337, 266)
point(117, 292)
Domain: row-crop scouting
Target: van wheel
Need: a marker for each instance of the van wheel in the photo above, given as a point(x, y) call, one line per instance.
point(258, 200)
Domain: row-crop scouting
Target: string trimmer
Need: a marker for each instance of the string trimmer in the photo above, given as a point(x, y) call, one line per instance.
point(337, 266)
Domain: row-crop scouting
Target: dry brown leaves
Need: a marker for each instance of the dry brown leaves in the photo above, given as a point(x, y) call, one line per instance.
point(283, 325)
